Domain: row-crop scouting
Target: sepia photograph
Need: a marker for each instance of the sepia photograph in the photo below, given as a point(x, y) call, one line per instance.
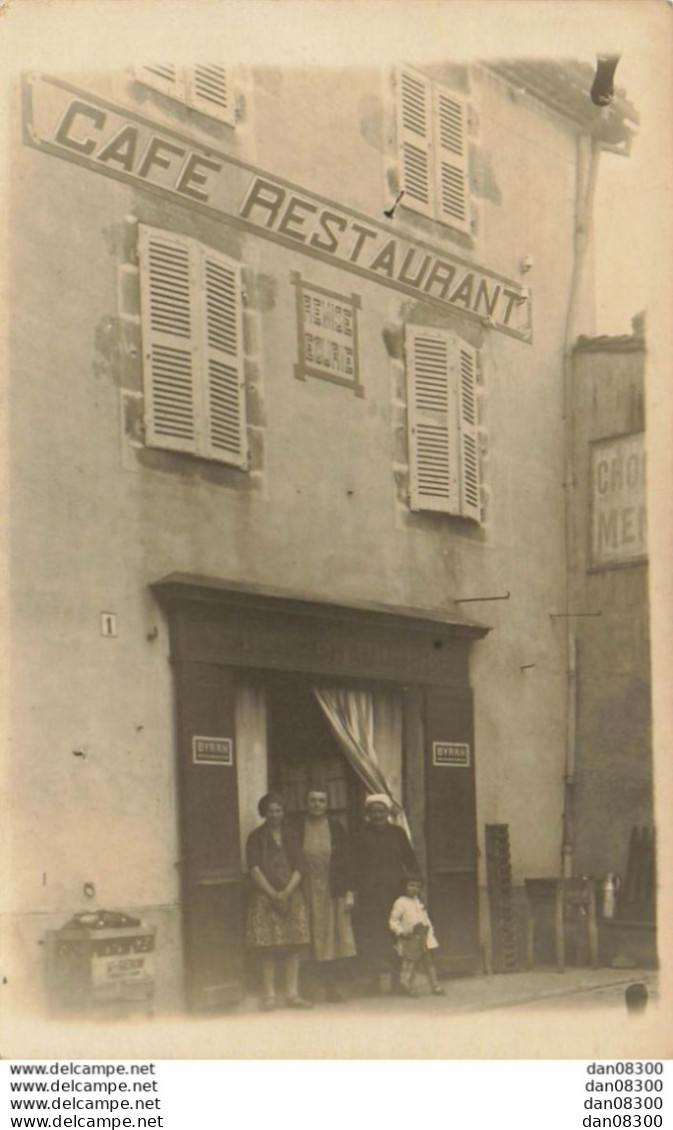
point(331, 355)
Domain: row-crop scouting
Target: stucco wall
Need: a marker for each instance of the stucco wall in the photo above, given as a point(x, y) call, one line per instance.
point(323, 511)
point(614, 744)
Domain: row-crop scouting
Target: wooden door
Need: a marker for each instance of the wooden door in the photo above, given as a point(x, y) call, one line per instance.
point(212, 885)
point(451, 827)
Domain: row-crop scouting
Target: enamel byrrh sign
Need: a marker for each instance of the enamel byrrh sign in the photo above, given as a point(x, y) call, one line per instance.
point(212, 751)
point(67, 122)
point(451, 755)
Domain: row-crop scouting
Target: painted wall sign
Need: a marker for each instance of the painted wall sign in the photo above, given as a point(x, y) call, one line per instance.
point(451, 754)
point(618, 517)
point(334, 650)
point(212, 751)
point(62, 120)
point(327, 335)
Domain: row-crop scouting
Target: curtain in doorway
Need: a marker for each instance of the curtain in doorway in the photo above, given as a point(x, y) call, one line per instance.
point(350, 714)
point(387, 709)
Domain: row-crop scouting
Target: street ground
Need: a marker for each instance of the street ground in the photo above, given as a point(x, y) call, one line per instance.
point(536, 988)
point(509, 1015)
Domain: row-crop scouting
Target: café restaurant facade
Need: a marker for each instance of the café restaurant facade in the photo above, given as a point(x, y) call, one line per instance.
point(297, 459)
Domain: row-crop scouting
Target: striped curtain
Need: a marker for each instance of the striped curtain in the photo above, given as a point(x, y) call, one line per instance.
point(350, 714)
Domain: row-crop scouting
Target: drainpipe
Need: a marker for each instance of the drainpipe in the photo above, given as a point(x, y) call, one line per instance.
point(588, 154)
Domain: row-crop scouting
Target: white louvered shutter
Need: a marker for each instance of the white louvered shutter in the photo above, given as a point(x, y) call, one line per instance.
point(209, 90)
point(170, 339)
point(166, 77)
point(433, 449)
point(414, 131)
point(223, 381)
point(467, 417)
point(452, 184)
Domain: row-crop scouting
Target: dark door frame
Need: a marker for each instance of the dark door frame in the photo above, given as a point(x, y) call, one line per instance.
point(217, 627)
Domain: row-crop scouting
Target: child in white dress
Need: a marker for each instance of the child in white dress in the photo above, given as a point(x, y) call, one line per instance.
point(415, 936)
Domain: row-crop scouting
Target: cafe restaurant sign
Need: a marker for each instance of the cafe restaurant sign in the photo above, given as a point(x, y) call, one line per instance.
point(64, 121)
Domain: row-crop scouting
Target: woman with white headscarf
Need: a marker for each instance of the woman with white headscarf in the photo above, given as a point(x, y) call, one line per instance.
point(382, 859)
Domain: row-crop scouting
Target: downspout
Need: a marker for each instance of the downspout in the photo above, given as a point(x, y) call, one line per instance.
point(588, 154)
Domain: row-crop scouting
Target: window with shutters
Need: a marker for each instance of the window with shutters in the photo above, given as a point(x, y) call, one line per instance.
point(433, 149)
point(442, 414)
point(192, 348)
point(206, 87)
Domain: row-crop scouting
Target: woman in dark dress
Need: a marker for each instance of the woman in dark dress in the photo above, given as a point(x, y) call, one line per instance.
point(278, 926)
point(382, 859)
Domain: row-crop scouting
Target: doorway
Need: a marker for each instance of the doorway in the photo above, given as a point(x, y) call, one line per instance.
point(232, 650)
point(302, 751)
